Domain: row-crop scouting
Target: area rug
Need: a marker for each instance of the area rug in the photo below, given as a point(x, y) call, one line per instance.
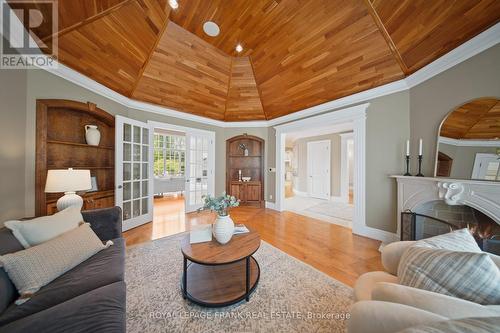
point(291, 296)
point(334, 209)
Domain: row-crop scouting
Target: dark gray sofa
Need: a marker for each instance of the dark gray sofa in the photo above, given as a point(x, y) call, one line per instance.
point(88, 298)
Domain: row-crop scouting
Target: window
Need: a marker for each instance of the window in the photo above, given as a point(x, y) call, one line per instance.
point(169, 155)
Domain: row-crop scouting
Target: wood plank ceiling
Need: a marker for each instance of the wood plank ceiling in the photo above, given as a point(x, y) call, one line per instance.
point(297, 53)
point(479, 120)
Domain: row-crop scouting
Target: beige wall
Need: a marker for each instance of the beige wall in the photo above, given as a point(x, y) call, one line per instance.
point(433, 99)
point(335, 162)
point(387, 128)
point(12, 134)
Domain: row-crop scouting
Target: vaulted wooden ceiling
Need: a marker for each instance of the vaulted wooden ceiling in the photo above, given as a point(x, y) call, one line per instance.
point(477, 120)
point(297, 53)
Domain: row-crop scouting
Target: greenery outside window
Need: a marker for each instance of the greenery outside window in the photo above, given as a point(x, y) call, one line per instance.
point(169, 155)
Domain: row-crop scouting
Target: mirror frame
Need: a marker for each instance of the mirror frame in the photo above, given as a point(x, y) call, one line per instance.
point(439, 132)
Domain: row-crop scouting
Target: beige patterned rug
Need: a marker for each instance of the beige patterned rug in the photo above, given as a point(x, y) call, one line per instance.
point(290, 297)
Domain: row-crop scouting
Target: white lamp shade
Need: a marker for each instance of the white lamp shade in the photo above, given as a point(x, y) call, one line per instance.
point(67, 180)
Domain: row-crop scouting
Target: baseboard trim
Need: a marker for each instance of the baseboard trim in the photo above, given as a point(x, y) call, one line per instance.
point(381, 235)
point(270, 205)
point(300, 193)
point(339, 199)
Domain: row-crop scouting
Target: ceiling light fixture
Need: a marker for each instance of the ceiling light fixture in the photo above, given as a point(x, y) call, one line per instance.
point(173, 3)
point(211, 28)
point(239, 48)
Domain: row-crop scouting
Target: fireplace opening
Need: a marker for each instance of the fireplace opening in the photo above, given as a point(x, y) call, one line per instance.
point(436, 217)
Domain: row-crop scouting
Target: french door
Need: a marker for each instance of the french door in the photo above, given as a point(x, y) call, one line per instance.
point(133, 179)
point(200, 162)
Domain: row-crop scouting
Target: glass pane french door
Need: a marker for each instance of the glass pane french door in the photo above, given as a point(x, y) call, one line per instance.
point(133, 191)
point(199, 169)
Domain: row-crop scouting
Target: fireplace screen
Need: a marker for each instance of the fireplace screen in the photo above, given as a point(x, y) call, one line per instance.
point(415, 226)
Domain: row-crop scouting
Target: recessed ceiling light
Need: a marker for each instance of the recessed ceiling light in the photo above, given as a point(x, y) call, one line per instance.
point(239, 48)
point(211, 28)
point(173, 3)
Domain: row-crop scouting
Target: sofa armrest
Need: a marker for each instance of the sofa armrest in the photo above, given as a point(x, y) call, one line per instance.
point(106, 222)
point(443, 305)
point(391, 254)
point(364, 285)
point(385, 317)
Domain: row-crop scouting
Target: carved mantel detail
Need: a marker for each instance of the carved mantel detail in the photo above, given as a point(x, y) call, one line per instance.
point(451, 193)
point(481, 195)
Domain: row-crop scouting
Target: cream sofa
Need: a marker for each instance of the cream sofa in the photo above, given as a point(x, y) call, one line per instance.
point(384, 306)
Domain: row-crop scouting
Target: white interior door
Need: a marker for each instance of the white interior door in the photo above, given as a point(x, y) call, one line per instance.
point(133, 179)
point(486, 167)
point(200, 162)
point(318, 169)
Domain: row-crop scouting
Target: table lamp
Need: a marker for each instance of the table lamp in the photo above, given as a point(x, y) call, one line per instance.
point(68, 181)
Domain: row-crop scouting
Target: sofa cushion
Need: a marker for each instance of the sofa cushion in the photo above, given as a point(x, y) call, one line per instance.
point(386, 317)
point(443, 305)
point(99, 310)
point(104, 268)
point(466, 325)
point(366, 282)
point(8, 292)
point(41, 229)
point(35, 267)
point(467, 275)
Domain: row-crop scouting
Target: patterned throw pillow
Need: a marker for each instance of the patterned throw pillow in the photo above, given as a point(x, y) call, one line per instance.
point(35, 267)
point(458, 240)
point(467, 275)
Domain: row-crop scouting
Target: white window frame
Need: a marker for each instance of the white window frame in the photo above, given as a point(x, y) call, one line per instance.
point(164, 151)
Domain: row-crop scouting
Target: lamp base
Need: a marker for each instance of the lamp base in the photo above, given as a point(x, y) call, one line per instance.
point(69, 199)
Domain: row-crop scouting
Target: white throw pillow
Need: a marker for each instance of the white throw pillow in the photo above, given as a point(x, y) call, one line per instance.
point(35, 267)
point(41, 229)
point(458, 240)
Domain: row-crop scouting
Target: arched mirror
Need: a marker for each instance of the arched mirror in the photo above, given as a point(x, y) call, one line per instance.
point(469, 142)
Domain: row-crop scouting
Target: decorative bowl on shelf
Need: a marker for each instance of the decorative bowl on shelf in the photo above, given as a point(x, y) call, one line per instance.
point(246, 179)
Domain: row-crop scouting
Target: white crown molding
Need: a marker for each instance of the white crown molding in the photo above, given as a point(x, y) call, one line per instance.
point(479, 43)
point(344, 115)
point(469, 143)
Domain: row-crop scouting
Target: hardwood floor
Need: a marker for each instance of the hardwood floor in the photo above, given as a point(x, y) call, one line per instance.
point(288, 189)
point(329, 248)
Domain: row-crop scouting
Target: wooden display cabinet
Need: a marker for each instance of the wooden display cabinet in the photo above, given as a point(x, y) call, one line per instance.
point(60, 144)
point(251, 192)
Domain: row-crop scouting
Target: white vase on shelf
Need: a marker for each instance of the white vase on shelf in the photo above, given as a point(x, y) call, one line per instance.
point(92, 135)
point(223, 229)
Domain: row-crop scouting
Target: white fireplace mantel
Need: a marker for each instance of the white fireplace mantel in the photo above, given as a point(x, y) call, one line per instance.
point(481, 195)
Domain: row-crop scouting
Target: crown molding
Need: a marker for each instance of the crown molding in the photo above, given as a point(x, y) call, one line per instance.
point(469, 143)
point(477, 44)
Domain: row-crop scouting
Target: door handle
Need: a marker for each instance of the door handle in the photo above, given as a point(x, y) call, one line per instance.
point(120, 187)
point(187, 180)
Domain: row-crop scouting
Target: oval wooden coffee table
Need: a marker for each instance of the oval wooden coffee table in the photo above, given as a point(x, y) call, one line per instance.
point(220, 275)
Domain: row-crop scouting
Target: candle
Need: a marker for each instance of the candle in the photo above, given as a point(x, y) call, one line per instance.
point(407, 147)
point(420, 147)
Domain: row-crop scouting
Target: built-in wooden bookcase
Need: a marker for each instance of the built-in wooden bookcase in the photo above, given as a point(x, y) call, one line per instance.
point(60, 144)
point(251, 192)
